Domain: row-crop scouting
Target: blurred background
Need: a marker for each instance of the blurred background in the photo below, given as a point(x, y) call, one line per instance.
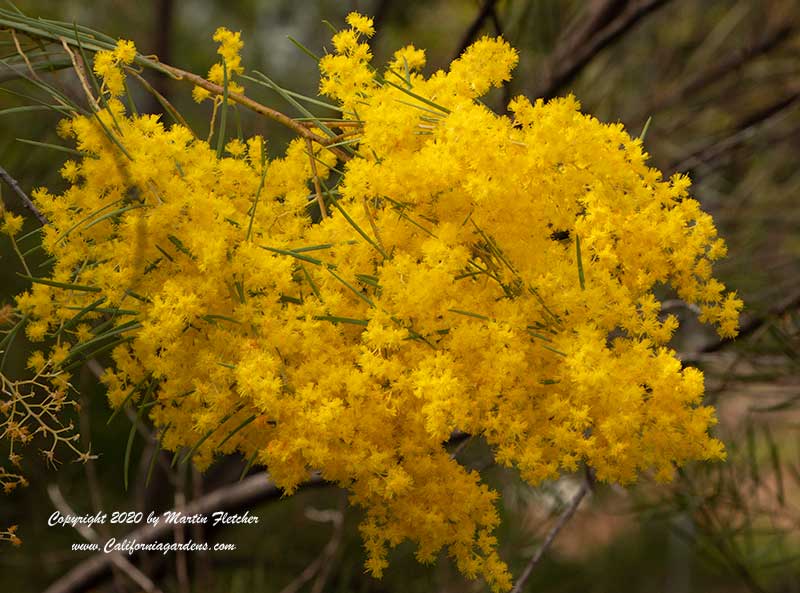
point(719, 83)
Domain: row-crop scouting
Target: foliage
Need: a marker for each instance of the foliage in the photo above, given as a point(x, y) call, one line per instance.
point(349, 306)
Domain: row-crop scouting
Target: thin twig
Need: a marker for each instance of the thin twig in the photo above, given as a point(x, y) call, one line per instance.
point(576, 50)
point(245, 494)
point(487, 10)
point(719, 69)
point(319, 567)
point(748, 328)
point(332, 549)
point(24, 56)
point(565, 516)
point(163, 23)
point(245, 101)
point(203, 568)
point(89, 534)
point(95, 492)
point(179, 74)
point(740, 132)
point(80, 72)
point(181, 563)
point(26, 201)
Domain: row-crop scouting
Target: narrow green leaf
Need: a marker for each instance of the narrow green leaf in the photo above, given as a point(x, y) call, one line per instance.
point(330, 26)
point(87, 346)
point(164, 253)
point(30, 234)
point(137, 296)
point(26, 108)
point(81, 313)
point(94, 354)
point(129, 96)
point(352, 222)
point(52, 146)
point(156, 450)
point(645, 128)
point(303, 48)
point(319, 247)
point(285, 298)
point(235, 430)
point(291, 100)
point(300, 256)
point(777, 467)
point(546, 347)
point(129, 447)
point(208, 434)
point(49, 89)
point(468, 314)
point(311, 283)
point(111, 136)
point(368, 279)
point(211, 318)
point(750, 435)
point(9, 339)
point(349, 320)
point(352, 288)
point(180, 246)
point(64, 285)
point(128, 397)
point(248, 465)
point(416, 96)
point(301, 97)
point(114, 213)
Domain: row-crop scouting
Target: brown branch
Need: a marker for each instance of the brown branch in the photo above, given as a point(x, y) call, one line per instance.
point(332, 549)
point(90, 471)
point(755, 323)
point(738, 135)
point(380, 14)
point(565, 516)
point(24, 57)
point(273, 114)
point(80, 72)
point(487, 11)
point(245, 494)
point(163, 25)
point(179, 533)
point(320, 566)
point(578, 48)
point(26, 201)
point(179, 74)
point(203, 565)
point(115, 558)
point(750, 327)
point(599, 15)
point(721, 68)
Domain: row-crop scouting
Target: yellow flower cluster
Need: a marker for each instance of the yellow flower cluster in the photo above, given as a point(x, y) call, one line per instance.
point(481, 273)
point(108, 66)
point(10, 223)
point(230, 44)
point(347, 74)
